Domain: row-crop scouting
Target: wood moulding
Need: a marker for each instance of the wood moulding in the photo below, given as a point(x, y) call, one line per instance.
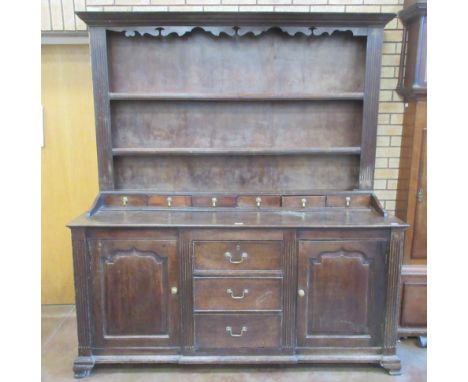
point(236, 151)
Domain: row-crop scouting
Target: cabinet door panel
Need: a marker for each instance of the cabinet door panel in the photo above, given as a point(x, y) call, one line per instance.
point(414, 305)
point(343, 284)
point(132, 282)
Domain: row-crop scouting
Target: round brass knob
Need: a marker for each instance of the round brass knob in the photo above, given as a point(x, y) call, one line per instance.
point(301, 292)
point(174, 290)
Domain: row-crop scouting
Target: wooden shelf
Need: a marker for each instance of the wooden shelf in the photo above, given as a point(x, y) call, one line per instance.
point(236, 151)
point(349, 96)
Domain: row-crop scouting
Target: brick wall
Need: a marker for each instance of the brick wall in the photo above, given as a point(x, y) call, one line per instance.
point(58, 15)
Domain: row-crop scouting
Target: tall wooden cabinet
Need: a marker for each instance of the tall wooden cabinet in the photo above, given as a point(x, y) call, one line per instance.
point(411, 202)
point(236, 222)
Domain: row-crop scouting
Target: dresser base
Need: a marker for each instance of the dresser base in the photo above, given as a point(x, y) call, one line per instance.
point(83, 365)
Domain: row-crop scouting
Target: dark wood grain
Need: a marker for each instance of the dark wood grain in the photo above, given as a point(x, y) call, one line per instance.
point(236, 173)
point(99, 59)
point(169, 201)
point(303, 201)
point(343, 52)
point(235, 221)
point(259, 201)
point(370, 108)
point(237, 255)
point(212, 125)
point(126, 200)
point(355, 201)
point(235, 18)
point(211, 333)
point(132, 281)
point(341, 300)
point(236, 293)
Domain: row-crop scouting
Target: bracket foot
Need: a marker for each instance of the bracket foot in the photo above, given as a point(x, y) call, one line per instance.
point(82, 366)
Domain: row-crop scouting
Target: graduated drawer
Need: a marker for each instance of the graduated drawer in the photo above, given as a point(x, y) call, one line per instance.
point(232, 331)
point(237, 293)
point(235, 255)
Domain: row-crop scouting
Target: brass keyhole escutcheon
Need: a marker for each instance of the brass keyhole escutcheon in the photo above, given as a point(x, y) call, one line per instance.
point(124, 200)
point(213, 202)
point(303, 202)
point(258, 201)
point(169, 201)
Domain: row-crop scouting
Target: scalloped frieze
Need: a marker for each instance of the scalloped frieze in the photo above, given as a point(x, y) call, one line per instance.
point(216, 31)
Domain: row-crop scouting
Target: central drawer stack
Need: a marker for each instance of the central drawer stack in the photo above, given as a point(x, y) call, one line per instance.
point(237, 295)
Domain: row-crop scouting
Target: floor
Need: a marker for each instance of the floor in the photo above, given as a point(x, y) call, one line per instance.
point(59, 344)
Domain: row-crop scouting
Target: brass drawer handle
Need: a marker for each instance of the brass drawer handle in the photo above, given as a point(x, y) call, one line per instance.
point(244, 292)
point(243, 257)
point(229, 330)
point(348, 201)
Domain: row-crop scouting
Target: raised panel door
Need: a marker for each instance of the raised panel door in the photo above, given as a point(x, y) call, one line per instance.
point(340, 293)
point(133, 302)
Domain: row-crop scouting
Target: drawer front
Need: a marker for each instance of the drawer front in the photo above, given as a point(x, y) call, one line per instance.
point(259, 201)
point(355, 201)
point(234, 255)
point(169, 201)
point(239, 293)
point(214, 201)
point(125, 200)
point(303, 201)
point(230, 331)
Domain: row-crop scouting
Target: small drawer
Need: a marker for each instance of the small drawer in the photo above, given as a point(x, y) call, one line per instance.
point(169, 201)
point(237, 255)
point(303, 201)
point(230, 331)
point(125, 200)
point(258, 201)
point(354, 201)
point(233, 293)
point(214, 201)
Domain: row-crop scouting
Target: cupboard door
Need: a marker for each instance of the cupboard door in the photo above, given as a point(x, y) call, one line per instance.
point(133, 302)
point(341, 293)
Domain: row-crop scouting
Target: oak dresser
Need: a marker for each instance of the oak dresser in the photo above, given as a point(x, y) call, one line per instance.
point(236, 222)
